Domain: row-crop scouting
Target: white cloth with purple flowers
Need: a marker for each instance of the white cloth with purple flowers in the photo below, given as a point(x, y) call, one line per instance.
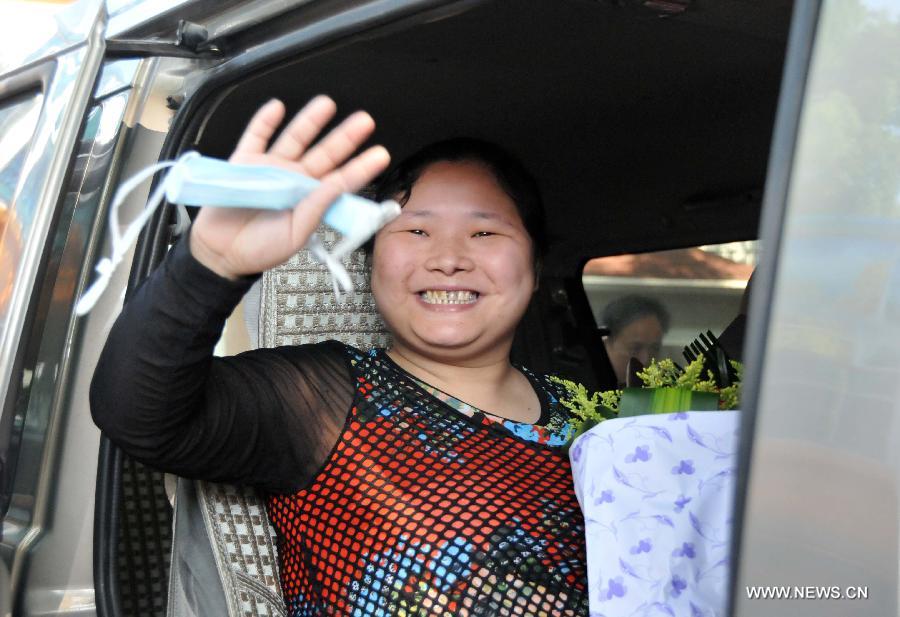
point(656, 492)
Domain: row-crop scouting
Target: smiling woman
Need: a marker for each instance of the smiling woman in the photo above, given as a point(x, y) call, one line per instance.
point(459, 237)
point(423, 479)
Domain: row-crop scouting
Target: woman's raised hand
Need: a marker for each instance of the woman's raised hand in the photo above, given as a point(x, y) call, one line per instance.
point(235, 242)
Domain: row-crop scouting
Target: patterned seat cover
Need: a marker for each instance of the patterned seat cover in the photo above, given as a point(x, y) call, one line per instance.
point(224, 556)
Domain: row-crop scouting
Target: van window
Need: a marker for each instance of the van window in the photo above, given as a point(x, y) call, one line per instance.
point(19, 117)
point(699, 288)
point(18, 121)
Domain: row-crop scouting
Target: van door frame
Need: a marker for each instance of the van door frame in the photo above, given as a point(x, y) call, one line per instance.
point(66, 80)
point(801, 40)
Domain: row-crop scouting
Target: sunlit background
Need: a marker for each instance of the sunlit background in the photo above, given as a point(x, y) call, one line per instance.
point(23, 21)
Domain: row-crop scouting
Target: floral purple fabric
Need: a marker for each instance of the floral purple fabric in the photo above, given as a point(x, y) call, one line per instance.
point(656, 492)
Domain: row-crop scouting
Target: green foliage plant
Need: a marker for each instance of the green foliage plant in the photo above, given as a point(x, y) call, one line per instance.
point(589, 409)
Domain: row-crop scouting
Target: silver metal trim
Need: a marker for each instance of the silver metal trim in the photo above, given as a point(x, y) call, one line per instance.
point(246, 15)
point(83, 66)
point(139, 13)
point(64, 106)
point(72, 26)
point(230, 20)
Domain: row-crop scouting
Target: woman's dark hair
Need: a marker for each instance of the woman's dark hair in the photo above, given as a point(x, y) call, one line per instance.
point(622, 311)
point(510, 174)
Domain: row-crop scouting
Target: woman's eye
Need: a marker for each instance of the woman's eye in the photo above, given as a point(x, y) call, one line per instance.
point(418, 232)
point(482, 234)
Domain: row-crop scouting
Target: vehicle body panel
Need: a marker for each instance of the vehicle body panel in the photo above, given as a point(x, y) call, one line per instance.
point(822, 503)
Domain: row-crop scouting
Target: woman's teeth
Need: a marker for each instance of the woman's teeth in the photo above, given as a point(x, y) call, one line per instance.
point(448, 297)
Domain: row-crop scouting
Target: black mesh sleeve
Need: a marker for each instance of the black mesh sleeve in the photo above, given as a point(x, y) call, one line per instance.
point(267, 417)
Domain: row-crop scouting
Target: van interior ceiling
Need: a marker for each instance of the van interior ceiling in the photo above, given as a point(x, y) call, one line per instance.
point(646, 123)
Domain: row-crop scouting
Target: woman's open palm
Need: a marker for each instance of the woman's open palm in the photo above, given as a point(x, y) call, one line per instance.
point(235, 241)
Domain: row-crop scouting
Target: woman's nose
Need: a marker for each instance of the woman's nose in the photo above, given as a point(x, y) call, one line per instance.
point(449, 258)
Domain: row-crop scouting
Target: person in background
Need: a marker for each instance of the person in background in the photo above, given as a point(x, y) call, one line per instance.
point(635, 327)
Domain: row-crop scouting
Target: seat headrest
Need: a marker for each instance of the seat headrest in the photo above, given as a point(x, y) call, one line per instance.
point(297, 303)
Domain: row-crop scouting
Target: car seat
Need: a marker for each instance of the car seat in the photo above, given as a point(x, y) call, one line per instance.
point(224, 553)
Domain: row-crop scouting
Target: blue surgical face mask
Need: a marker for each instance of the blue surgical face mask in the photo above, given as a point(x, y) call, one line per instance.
point(196, 180)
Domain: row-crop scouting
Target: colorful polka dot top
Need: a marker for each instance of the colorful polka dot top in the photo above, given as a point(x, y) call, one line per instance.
point(428, 506)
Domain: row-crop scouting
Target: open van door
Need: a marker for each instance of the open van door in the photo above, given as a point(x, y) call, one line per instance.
point(49, 68)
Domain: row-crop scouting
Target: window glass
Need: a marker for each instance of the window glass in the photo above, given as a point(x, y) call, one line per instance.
point(18, 121)
point(653, 304)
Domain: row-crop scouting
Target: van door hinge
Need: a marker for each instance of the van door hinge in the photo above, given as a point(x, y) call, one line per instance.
point(191, 41)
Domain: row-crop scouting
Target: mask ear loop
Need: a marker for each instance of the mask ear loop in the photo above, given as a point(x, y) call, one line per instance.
point(121, 242)
point(349, 243)
point(340, 279)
